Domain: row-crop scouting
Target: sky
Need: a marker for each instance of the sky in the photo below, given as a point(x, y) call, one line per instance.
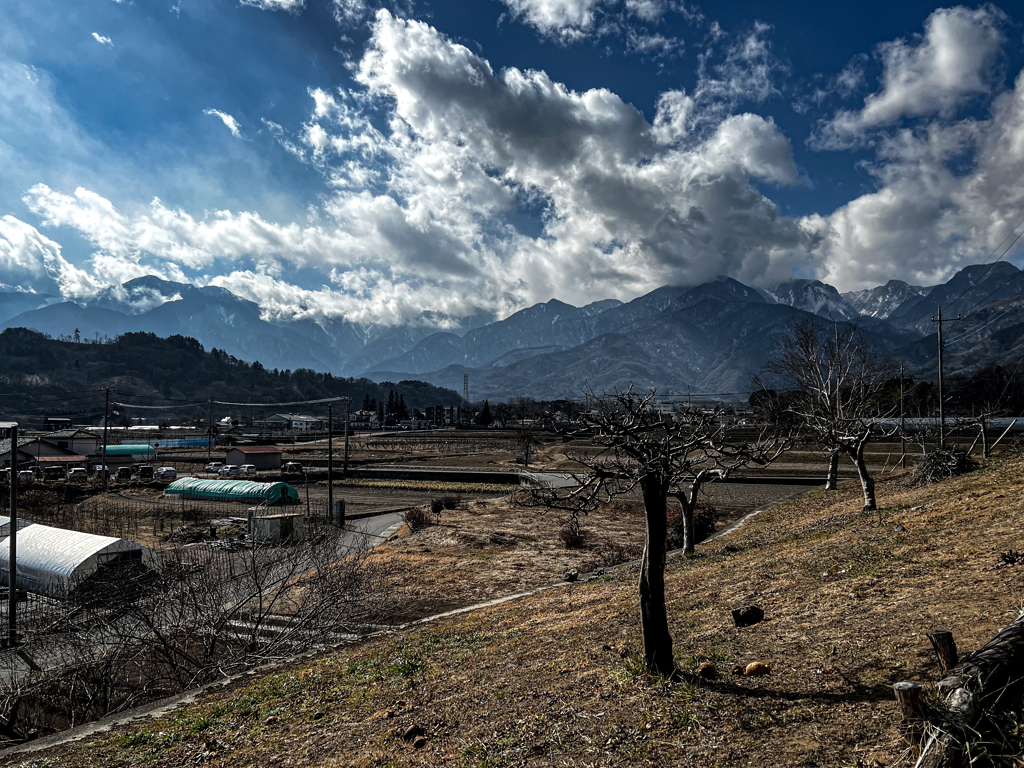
point(420, 161)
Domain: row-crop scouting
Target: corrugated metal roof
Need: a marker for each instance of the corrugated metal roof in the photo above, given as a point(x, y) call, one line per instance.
point(257, 449)
point(233, 490)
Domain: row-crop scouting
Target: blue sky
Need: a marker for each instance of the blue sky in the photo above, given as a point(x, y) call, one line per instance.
point(381, 158)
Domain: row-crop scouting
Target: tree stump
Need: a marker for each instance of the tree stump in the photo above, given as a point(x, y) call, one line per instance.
point(908, 695)
point(945, 650)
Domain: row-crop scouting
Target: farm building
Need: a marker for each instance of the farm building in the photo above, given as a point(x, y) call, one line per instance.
point(53, 561)
point(260, 456)
point(243, 491)
point(38, 450)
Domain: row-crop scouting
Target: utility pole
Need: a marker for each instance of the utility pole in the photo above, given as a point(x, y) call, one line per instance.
point(209, 435)
point(106, 413)
point(330, 463)
point(12, 555)
point(942, 402)
point(903, 425)
point(348, 405)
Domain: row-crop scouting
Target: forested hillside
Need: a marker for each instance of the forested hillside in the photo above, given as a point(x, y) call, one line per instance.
point(42, 375)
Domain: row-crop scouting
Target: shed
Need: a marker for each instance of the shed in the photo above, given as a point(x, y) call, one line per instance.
point(260, 456)
point(53, 561)
point(233, 490)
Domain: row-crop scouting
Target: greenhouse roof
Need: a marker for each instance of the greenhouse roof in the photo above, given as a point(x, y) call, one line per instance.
point(233, 490)
point(129, 450)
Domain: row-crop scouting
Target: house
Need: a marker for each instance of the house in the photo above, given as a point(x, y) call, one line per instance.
point(76, 440)
point(260, 456)
point(292, 421)
point(34, 450)
point(363, 420)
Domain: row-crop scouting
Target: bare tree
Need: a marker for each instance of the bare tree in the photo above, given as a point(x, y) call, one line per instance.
point(837, 384)
point(131, 636)
point(642, 452)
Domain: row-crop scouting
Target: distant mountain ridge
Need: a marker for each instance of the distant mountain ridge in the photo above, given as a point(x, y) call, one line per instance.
point(709, 337)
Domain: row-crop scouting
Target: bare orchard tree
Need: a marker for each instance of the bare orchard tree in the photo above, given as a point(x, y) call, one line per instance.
point(837, 383)
point(127, 637)
point(661, 458)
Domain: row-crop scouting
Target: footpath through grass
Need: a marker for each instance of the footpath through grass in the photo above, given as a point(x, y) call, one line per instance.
point(556, 678)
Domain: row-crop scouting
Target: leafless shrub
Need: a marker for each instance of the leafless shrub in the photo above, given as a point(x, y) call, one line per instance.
point(940, 464)
point(572, 537)
point(419, 518)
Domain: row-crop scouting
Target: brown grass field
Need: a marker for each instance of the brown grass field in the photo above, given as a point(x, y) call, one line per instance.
point(555, 678)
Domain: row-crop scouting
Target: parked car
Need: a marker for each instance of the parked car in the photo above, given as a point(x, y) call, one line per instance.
point(247, 469)
point(78, 474)
point(229, 470)
point(26, 477)
point(145, 472)
point(292, 468)
point(124, 474)
point(167, 473)
point(101, 470)
point(55, 473)
point(214, 466)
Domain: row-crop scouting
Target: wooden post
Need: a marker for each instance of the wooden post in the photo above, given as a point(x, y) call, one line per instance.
point(945, 649)
point(908, 696)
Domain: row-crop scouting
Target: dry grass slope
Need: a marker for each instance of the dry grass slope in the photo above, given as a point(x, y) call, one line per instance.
point(542, 681)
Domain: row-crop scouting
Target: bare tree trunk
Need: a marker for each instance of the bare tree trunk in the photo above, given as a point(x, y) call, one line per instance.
point(689, 537)
point(867, 483)
point(653, 616)
point(832, 479)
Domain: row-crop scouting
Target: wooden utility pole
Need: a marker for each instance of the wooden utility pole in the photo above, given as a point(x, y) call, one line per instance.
point(12, 555)
point(942, 402)
point(903, 424)
point(209, 435)
point(348, 405)
point(330, 463)
point(106, 412)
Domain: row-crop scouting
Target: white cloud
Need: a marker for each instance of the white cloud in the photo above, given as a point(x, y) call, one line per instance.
point(228, 120)
point(31, 262)
point(419, 215)
point(933, 74)
point(745, 73)
point(928, 217)
point(291, 6)
point(573, 20)
point(102, 40)
point(566, 19)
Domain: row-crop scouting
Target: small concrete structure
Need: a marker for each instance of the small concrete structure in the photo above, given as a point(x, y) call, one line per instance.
point(274, 529)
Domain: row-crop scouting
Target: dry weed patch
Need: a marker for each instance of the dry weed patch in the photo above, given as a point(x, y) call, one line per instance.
point(555, 678)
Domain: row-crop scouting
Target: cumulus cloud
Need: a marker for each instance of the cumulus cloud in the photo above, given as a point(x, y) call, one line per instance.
point(420, 212)
point(926, 219)
point(291, 6)
point(570, 21)
point(102, 40)
point(228, 120)
point(932, 74)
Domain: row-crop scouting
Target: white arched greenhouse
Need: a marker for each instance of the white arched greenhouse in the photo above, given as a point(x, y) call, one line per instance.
point(54, 561)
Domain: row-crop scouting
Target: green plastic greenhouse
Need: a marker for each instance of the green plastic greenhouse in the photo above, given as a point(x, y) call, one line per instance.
point(233, 490)
point(139, 451)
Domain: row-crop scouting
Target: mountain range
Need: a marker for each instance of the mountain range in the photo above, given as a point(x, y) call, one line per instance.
point(708, 338)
